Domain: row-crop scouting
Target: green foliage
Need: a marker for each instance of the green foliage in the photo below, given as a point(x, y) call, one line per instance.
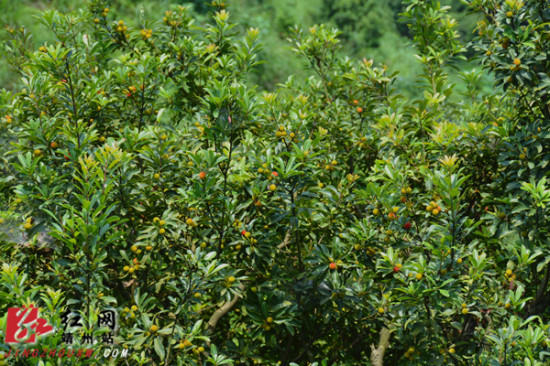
point(145, 172)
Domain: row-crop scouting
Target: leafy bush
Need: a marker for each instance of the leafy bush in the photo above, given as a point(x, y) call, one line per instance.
point(330, 220)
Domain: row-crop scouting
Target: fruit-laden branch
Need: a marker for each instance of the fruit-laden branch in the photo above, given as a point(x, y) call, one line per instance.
point(377, 354)
point(222, 311)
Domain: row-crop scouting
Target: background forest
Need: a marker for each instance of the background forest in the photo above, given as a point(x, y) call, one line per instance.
point(370, 28)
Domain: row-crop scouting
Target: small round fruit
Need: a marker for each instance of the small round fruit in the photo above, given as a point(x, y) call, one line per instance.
point(272, 187)
point(409, 190)
point(407, 226)
point(162, 231)
point(230, 279)
point(134, 308)
point(131, 270)
point(381, 310)
point(508, 305)
point(37, 152)
point(459, 261)
point(149, 248)
point(53, 145)
point(153, 328)
point(189, 221)
point(395, 269)
point(162, 222)
point(508, 272)
point(332, 266)
point(156, 176)
point(200, 349)
point(391, 216)
point(452, 350)
point(376, 212)
point(134, 248)
point(464, 311)
point(269, 320)
point(359, 110)
point(126, 268)
point(27, 226)
point(435, 212)
point(419, 276)
point(509, 14)
point(395, 209)
point(202, 175)
point(517, 61)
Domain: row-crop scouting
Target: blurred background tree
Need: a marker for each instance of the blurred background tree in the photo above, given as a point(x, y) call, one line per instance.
point(370, 29)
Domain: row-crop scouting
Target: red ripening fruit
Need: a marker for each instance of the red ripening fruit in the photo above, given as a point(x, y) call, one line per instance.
point(66, 157)
point(64, 80)
point(359, 110)
point(391, 216)
point(202, 175)
point(128, 95)
point(395, 269)
point(332, 266)
point(407, 226)
point(243, 232)
point(275, 174)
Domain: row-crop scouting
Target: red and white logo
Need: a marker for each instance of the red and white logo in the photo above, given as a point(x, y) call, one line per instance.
point(23, 325)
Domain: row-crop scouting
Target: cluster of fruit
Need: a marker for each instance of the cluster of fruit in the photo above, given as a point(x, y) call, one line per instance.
point(129, 312)
point(133, 267)
point(434, 208)
point(146, 33)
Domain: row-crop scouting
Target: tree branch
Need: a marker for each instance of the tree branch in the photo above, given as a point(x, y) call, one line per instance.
point(222, 311)
point(285, 241)
point(377, 354)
